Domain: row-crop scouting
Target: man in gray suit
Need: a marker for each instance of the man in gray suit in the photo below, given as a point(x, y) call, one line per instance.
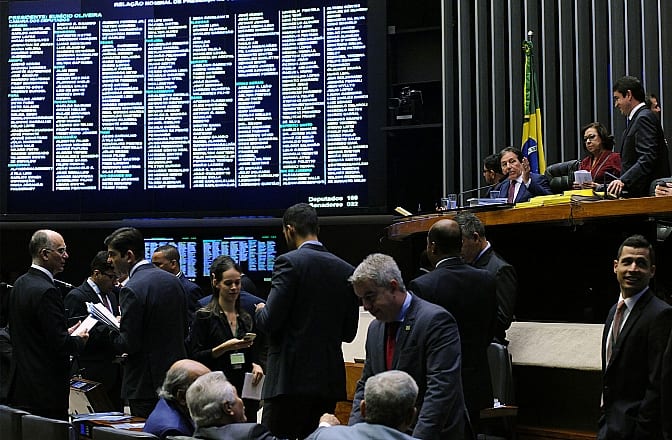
point(153, 322)
point(311, 311)
point(388, 409)
point(414, 336)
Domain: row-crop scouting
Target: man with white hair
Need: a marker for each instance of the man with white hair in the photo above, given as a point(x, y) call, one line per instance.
point(218, 412)
point(388, 409)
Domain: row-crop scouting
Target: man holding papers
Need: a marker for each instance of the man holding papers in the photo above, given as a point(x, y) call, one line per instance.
point(41, 340)
point(96, 362)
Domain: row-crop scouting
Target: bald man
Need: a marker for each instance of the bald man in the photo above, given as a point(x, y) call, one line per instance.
point(171, 415)
point(41, 340)
point(469, 294)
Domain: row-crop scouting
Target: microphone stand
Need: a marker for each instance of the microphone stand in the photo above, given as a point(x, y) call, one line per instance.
point(480, 188)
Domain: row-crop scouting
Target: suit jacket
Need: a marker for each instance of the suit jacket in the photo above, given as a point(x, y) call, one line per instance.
point(506, 288)
point(666, 391)
point(311, 310)
point(194, 294)
point(41, 346)
point(238, 431)
point(152, 329)
point(360, 431)
point(539, 186)
point(428, 349)
point(469, 294)
point(96, 360)
point(644, 155)
point(166, 419)
point(631, 380)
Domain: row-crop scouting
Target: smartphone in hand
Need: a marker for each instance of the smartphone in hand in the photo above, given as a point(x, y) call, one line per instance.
point(249, 336)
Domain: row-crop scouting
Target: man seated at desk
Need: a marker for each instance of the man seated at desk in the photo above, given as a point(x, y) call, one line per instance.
point(219, 413)
point(521, 184)
point(388, 410)
point(170, 415)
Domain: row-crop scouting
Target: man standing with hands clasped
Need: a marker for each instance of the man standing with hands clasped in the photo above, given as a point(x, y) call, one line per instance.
point(633, 342)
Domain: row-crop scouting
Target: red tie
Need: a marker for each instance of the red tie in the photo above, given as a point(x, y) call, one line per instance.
point(512, 190)
point(390, 342)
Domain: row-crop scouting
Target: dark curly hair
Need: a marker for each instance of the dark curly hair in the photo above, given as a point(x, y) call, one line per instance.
point(607, 138)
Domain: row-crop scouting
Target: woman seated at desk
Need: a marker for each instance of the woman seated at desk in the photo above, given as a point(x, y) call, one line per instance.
point(601, 161)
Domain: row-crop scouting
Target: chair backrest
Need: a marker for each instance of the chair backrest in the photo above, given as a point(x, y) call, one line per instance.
point(43, 428)
point(10, 422)
point(501, 373)
point(109, 433)
point(561, 175)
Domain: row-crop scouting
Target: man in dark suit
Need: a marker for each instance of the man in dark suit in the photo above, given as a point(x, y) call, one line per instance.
point(634, 339)
point(521, 184)
point(96, 362)
point(167, 257)
point(41, 340)
point(666, 391)
point(153, 323)
point(415, 336)
point(644, 155)
point(469, 294)
point(477, 251)
point(311, 311)
point(219, 413)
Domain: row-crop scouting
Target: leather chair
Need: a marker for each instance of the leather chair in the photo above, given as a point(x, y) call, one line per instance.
point(43, 428)
point(499, 422)
point(109, 433)
point(561, 175)
point(10, 422)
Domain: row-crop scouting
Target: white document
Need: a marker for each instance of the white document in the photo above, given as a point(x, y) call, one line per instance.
point(252, 391)
point(103, 315)
point(87, 325)
point(582, 176)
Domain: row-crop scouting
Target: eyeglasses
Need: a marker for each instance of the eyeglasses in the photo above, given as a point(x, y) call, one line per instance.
point(590, 137)
point(59, 251)
point(487, 171)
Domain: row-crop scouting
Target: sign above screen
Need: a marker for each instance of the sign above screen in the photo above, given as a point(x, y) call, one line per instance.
point(188, 107)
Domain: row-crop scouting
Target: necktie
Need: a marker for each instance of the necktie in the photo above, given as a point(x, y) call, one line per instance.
point(615, 328)
point(618, 318)
point(512, 190)
point(390, 342)
point(106, 302)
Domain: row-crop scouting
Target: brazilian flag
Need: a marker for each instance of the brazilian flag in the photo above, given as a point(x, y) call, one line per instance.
point(532, 146)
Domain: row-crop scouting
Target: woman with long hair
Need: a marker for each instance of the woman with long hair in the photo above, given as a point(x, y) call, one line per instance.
point(218, 334)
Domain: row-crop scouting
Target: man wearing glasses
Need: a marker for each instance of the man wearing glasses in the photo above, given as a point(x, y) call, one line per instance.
point(41, 341)
point(492, 173)
point(97, 361)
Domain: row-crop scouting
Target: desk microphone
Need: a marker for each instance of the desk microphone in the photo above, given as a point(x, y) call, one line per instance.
point(480, 188)
point(5, 286)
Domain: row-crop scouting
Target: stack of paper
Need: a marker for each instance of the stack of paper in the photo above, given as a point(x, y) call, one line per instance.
point(100, 312)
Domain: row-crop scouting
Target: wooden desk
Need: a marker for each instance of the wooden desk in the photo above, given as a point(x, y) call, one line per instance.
point(573, 213)
point(353, 371)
